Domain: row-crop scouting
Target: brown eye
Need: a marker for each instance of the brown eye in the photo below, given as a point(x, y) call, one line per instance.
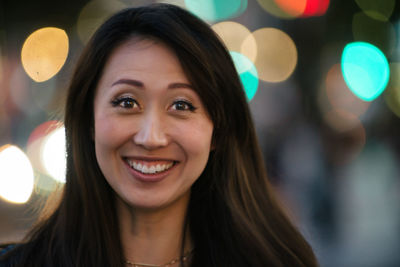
point(125, 102)
point(183, 105)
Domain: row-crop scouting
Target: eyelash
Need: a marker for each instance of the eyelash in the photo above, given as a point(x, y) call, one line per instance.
point(189, 105)
point(122, 102)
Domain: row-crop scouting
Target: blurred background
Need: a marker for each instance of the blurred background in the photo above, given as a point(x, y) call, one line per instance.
point(322, 79)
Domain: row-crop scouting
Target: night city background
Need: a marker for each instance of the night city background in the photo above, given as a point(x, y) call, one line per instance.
point(323, 82)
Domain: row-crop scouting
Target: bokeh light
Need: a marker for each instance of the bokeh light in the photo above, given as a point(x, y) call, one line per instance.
point(380, 33)
point(294, 8)
point(42, 130)
point(216, 10)
point(44, 183)
point(36, 142)
point(93, 14)
point(379, 10)
point(339, 95)
point(44, 53)
point(316, 8)
point(247, 72)
point(233, 35)
point(287, 9)
point(54, 154)
point(272, 7)
point(16, 175)
point(341, 120)
point(365, 70)
point(392, 93)
point(276, 54)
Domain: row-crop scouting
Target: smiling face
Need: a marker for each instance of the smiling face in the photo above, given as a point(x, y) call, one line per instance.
point(152, 132)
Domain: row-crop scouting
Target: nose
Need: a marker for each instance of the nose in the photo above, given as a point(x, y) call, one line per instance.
point(151, 133)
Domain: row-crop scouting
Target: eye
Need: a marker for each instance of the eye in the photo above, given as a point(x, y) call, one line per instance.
point(125, 102)
point(183, 105)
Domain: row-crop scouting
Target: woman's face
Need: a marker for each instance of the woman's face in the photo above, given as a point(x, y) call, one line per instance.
point(152, 133)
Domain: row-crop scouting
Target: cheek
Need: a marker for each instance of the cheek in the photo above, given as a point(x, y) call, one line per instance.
point(197, 149)
point(103, 131)
point(109, 132)
point(196, 139)
point(103, 139)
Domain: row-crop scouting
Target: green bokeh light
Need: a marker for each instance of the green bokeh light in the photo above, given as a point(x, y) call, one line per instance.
point(216, 10)
point(380, 10)
point(247, 72)
point(365, 70)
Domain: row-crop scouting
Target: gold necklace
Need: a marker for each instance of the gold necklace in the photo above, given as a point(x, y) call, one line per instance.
point(183, 258)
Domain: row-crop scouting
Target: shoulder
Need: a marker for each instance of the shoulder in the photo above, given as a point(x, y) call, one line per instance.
point(7, 257)
point(23, 254)
point(6, 248)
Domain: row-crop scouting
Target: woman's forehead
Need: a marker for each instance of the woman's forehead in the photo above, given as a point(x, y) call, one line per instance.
point(146, 58)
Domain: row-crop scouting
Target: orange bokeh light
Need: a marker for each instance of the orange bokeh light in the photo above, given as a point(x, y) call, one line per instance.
point(292, 7)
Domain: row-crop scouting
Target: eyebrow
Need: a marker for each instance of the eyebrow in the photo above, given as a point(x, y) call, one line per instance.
point(140, 84)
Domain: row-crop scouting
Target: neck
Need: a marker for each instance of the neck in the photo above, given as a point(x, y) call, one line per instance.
point(153, 236)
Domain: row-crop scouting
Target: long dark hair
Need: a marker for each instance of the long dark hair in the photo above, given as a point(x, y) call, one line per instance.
point(233, 216)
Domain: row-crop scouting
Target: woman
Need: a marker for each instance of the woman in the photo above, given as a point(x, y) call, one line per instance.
point(163, 165)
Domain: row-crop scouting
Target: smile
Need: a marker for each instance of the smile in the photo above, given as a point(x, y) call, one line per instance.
point(150, 167)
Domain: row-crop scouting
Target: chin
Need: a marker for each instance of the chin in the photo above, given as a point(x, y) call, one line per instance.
point(158, 204)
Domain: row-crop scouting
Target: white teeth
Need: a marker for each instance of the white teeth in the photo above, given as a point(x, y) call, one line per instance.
point(152, 169)
point(149, 170)
point(145, 169)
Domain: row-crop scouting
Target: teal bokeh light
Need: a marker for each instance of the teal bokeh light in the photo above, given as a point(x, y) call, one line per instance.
point(365, 70)
point(216, 10)
point(247, 72)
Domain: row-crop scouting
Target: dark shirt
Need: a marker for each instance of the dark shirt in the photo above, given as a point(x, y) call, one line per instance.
point(4, 262)
point(5, 249)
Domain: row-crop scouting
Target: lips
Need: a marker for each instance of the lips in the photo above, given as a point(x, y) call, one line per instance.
point(149, 170)
point(150, 167)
